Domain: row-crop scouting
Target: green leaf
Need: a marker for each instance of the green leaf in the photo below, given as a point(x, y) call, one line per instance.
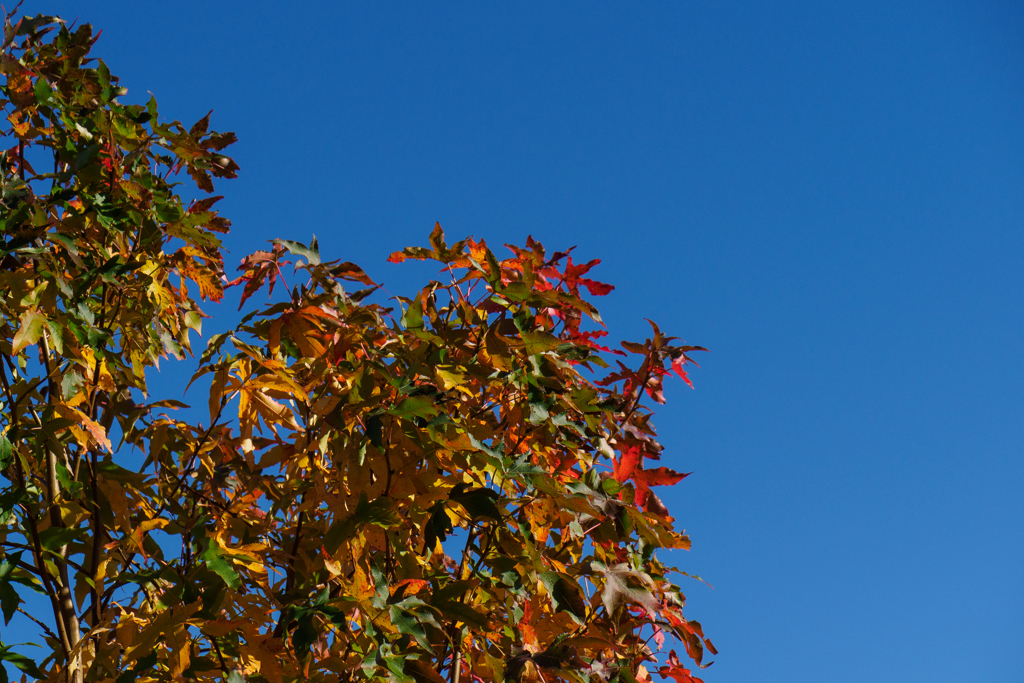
point(7, 567)
point(20, 661)
point(43, 91)
point(74, 488)
point(478, 502)
point(143, 664)
point(407, 623)
point(194, 320)
point(169, 212)
point(32, 298)
point(63, 240)
point(305, 634)
point(396, 666)
point(413, 316)
point(213, 346)
point(375, 431)
point(457, 611)
point(56, 336)
point(610, 486)
point(565, 595)
point(9, 600)
point(214, 558)
point(415, 406)
point(86, 155)
point(58, 537)
point(29, 25)
point(6, 452)
point(539, 342)
point(311, 254)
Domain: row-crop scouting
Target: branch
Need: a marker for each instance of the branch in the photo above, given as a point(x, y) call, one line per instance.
point(40, 624)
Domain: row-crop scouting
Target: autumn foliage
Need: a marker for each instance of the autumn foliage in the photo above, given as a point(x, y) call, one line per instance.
point(451, 486)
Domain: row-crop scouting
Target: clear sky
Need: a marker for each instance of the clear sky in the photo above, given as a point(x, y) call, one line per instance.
point(830, 196)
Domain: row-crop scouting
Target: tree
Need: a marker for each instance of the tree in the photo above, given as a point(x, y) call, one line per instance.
point(457, 489)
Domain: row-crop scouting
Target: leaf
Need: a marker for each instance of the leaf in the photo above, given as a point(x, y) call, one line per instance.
point(9, 600)
point(478, 502)
point(407, 623)
point(57, 537)
point(86, 155)
point(43, 91)
point(311, 254)
point(437, 527)
point(6, 452)
point(259, 267)
point(379, 512)
point(415, 406)
point(67, 483)
point(20, 661)
point(214, 558)
point(350, 271)
point(200, 126)
point(565, 594)
point(29, 331)
point(622, 583)
point(627, 463)
point(675, 671)
point(56, 336)
point(143, 664)
point(375, 431)
point(458, 611)
point(305, 634)
point(194, 320)
point(29, 25)
point(659, 476)
point(540, 342)
point(422, 672)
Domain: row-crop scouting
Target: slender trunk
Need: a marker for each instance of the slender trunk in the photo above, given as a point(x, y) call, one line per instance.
point(66, 612)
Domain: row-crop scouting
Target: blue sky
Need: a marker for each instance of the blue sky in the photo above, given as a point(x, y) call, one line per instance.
point(830, 197)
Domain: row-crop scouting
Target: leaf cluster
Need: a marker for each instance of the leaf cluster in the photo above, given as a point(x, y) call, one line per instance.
point(455, 487)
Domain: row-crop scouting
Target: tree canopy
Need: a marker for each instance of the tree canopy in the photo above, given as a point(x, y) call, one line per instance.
point(453, 486)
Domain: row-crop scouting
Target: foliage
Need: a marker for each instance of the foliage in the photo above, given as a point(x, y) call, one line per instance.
point(451, 491)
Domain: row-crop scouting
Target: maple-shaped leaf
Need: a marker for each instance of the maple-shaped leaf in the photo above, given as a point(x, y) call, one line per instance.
point(310, 253)
point(659, 476)
point(626, 463)
point(259, 267)
point(623, 584)
point(439, 250)
point(676, 671)
point(350, 271)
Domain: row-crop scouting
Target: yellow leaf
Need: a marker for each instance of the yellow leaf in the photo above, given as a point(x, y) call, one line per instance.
point(273, 412)
point(218, 627)
point(333, 567)
point(31, 329)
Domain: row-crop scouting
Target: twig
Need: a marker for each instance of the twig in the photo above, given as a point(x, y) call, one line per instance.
point(40, 624)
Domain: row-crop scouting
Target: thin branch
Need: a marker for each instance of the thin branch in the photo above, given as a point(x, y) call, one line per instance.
point(40, 624)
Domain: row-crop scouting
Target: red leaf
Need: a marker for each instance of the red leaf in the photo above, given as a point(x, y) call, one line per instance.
point(676, 671)
point(626, 465)
point(597, 288)
point(258, 267)
point(350, 271)
point(659, 476)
